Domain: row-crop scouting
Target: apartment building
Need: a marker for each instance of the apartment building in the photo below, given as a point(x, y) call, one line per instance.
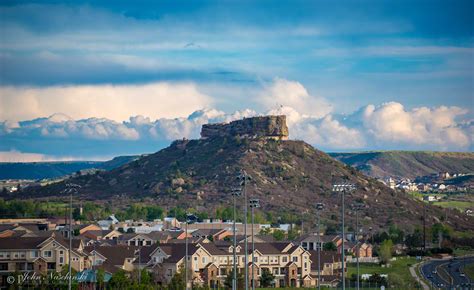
point(39, 254)
point(210, 263)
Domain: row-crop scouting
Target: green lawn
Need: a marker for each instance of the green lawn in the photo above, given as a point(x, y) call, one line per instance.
point(454, 204)
point(469, 271)
point(400, 267)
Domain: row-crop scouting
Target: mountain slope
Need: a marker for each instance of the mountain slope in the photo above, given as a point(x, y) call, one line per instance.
point(408, 164)
point(288, 176)
point(42, 170)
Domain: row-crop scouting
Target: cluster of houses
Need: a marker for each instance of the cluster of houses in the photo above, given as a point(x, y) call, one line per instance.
point(42, 246)
point(437, 182)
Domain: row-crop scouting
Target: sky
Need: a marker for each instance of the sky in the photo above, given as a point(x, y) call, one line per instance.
point(93, 80)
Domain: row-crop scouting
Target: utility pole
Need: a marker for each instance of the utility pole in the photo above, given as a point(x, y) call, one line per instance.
point(357, 207)
point(70, 240)
point(319, 207)
point(424, 227)
point(139, 264)
point(235, 192)
point(243, 178)
point(186, 255)
point(70, 188)
point(254, 203)
point(342, 188)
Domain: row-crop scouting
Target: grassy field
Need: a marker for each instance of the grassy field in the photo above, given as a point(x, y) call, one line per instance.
point(469, 271)
point(454, 204)
point(399, 267)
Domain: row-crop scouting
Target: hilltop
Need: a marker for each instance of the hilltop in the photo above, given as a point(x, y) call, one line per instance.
point(288, 176)
point(409, 164)
point(45, 170)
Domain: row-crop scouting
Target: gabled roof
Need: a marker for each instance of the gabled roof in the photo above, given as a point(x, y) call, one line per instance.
point(21, 243)
point(326, 257)
point(176, 252)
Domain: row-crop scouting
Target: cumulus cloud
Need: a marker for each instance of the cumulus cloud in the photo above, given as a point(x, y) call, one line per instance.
point(433, 127)
point(116, 102)
point(282, 92)
point(386, 126)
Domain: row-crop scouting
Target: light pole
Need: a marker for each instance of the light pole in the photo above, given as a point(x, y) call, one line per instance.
point(235, 192)
point(319, 207)
point(357, 207)
point(342, 188)
point(244, 177)
point(186, 255)
point(70, 188)
point(254, 203)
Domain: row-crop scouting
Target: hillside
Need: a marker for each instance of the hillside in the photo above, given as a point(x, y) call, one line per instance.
point(42, 170)
point(408, 164)
point(288, 177)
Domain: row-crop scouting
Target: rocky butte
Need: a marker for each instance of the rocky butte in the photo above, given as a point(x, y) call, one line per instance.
point(270, 127)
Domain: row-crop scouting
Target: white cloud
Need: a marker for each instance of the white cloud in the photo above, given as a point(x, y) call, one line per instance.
point(115, 102)
point(282, 92)
point(438, 127)
point(387, 126)
point(16, 156)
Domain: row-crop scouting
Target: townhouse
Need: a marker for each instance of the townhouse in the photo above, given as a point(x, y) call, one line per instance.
point(39, 254)
point(210, 263)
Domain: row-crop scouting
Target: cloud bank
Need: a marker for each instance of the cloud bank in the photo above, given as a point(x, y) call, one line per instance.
point(166, 112)
point(115, 102)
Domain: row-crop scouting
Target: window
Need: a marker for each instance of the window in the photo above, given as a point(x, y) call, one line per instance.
point(61, 260)
point(204, 260)
point(34, 254)
point(285, 259)
point(61, 252)
point(295, 259)
point(47, 254)
point(3, 255)
point(29, 267)
point(3, 266)
point(51, 266)
point(195, 258)
point(255, 259)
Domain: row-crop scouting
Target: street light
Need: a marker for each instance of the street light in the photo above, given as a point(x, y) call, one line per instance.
point(70, 188)
point(357, 207)
point(235, 192)
point(342, 188)
point(243, 177)
point(187, 253)
point(319, 207)
point(254, 203)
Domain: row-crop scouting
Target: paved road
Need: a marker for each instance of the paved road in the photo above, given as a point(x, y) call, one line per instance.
point(447, 274)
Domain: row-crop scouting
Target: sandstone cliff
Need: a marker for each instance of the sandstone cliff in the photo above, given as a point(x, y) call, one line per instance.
point(273, 127)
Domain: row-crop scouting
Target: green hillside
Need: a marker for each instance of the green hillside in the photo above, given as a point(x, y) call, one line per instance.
point(408, 163)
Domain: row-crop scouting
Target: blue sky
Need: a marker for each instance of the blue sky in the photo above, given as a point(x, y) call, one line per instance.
point(327, 62)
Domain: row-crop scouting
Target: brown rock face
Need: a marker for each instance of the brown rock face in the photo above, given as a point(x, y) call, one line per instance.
point(273, 127)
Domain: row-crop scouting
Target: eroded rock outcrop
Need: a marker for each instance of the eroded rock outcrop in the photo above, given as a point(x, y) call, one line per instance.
point(273, 127)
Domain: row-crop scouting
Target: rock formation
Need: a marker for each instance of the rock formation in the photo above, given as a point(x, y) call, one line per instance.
point(273, 127)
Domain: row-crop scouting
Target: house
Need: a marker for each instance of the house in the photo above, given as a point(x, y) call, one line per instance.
point(133, 239)
point(112, 258)
point(211, 234)
point(102, 235)
point(210, 263)
point(365, 250)
point(105, 224)
point(311, 241)
point(39, 254)
point(330, 266)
